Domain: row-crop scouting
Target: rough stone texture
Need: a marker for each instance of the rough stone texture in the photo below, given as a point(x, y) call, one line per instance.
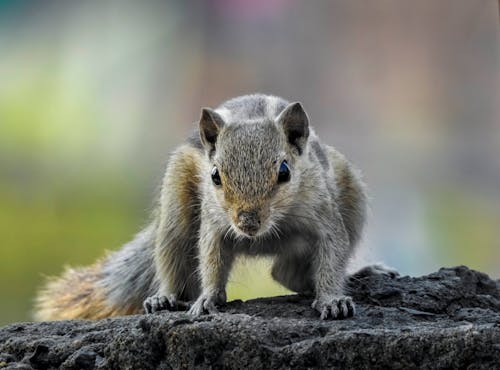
point(448, 319)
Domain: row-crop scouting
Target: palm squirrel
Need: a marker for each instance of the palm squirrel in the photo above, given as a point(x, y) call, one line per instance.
point(254, 180)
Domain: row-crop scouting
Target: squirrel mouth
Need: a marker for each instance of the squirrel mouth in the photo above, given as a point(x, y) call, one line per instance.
point(248, 231)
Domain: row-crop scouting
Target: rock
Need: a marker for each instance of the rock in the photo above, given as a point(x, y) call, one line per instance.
point(448, 319)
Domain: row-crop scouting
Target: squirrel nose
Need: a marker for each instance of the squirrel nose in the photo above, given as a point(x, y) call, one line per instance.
point(249, 221)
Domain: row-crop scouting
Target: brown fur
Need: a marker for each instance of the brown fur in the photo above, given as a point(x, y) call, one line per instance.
point(180, 197)
point(186, 185)
point(76, 295)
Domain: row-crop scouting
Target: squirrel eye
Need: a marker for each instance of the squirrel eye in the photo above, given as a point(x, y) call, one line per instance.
point(284, 172)
point(216, 177)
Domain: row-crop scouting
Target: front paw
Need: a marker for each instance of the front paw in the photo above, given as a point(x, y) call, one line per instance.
point(206, 303)
point(160, 302)
point(336, 307)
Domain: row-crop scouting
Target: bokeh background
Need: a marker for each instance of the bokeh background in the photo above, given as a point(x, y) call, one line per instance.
point(94, 95)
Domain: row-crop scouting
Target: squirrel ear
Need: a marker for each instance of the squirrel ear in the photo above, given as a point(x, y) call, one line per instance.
point(295, 123)
point(210, 125)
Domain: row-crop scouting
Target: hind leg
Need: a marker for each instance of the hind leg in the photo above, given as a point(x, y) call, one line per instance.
point(293, 268)
point(293, 273)
point(376, 269)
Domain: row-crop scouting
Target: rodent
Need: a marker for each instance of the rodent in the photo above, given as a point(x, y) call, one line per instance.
point(254, 179)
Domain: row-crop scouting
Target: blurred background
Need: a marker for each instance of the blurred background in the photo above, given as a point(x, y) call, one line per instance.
point(94, 95)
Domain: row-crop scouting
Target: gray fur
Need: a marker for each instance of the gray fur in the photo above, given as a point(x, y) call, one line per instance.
point(310, 224)
point(320, 154)
point(128, 275)
point(253, 107)
point(243, 157)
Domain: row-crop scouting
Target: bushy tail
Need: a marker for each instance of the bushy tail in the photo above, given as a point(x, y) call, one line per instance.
point(114, 286)
point(75, 295)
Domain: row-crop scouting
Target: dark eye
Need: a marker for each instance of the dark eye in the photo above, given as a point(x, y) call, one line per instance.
point(216, 177)
point(284, 172)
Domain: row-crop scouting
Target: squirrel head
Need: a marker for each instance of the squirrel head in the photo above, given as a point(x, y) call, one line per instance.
point(254, 165)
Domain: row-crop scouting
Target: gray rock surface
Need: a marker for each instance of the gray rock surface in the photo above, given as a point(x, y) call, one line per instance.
point(448, 319)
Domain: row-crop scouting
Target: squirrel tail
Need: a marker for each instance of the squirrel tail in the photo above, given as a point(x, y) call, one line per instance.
point(115, 286)
point(75, 295)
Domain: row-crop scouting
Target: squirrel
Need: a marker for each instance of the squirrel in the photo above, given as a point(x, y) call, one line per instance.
point(254, 179)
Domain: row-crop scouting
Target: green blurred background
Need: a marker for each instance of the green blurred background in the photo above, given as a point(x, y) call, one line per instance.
point(95, 94)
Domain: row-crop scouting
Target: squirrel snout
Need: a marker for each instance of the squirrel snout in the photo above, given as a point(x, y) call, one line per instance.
point(249, 222)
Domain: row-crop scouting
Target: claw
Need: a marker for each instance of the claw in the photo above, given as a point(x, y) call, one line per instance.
point(336, 308)
point(210, 307)
point(204, 304)
point(351, 307)
point(195, 310)
point(324, 313)
point(160, 302)
point(343, 308)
